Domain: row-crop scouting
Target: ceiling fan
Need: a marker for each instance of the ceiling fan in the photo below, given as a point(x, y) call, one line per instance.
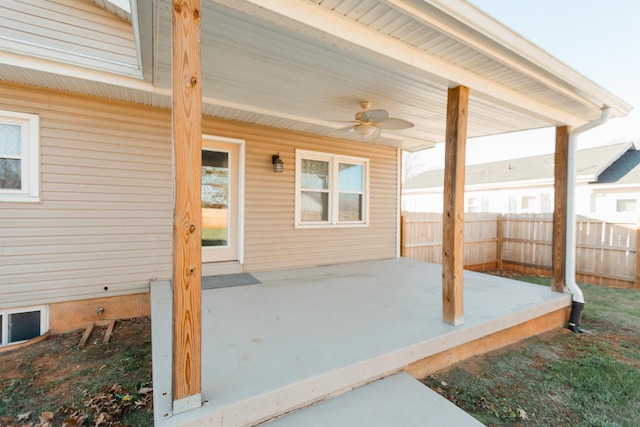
point(369, 123)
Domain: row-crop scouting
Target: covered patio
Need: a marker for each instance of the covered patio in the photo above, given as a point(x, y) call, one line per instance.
point(269, 80)
point(305, 334)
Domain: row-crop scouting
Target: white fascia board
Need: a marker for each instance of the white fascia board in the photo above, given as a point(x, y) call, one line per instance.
point(298, 17)
point(511, 184)
point(507, 58)
point(476, 19)
point(54, 67)
point(531, 183)
point(421, 191)
point(612, 187)
point(142, 24)
point(30, 50)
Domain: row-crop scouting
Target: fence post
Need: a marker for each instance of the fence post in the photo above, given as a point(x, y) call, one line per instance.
point(636, 284)
point(403, 235)
point(500, 233)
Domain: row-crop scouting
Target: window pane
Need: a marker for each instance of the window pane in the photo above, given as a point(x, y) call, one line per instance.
point(10, 174)
point(626, 205)
point(315, 174)
point(215, 198)
point(24, 326)
point(528, 202)
point(9, 139)
point(315, 206)
point(350, 207)
point(350, 177)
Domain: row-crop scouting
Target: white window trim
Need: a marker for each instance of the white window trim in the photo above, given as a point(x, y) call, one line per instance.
point(334, 160)
point(626, 199)
point(531, 200)
point(44, 322)
point(30, 157)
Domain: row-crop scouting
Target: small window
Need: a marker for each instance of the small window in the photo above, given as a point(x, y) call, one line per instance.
point(330, 190)
point(19, 157)
point(626, 205)
point(528, 203)
point(22, 324)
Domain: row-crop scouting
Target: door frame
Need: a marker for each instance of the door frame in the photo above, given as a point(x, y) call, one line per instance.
point(241, 182)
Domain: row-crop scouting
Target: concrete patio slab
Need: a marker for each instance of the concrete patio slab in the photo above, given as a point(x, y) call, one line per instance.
point(307, 334)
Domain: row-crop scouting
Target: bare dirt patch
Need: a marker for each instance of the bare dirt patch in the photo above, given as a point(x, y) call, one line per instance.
point(56, 383)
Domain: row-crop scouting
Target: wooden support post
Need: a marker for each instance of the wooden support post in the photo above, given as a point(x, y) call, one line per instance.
point(187, 256)
point(559, 240)
point(453, 207)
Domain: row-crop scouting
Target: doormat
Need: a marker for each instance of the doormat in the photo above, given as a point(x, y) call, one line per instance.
point(228, 280)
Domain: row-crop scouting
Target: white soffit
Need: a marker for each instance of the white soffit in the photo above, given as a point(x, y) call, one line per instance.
point(300, 64)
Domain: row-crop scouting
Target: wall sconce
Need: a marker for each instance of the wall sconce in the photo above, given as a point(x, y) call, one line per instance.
point(278, 165)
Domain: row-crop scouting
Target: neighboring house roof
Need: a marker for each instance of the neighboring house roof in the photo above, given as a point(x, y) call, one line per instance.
point(591, 165)
point(623, 172)
point(299, 65)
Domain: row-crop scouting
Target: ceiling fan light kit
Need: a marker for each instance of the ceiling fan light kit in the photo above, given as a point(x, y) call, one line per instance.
point(364, 130)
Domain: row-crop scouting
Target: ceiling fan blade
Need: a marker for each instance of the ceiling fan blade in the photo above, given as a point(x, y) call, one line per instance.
point(394, 123)
point(374, 116)
point(355, 122)
point(341, 130)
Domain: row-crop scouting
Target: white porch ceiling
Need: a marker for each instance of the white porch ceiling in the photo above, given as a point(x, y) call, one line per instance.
point(299, 64)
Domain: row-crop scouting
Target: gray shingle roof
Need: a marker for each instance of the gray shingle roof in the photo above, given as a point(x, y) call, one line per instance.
point(625, 170)
point(590, 164)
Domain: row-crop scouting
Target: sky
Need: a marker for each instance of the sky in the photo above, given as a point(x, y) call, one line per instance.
point(600, 39)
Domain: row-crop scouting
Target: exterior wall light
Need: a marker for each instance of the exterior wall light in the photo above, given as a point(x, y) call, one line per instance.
point(278, 165)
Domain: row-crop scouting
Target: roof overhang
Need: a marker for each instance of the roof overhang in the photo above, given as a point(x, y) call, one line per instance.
point(300, 65)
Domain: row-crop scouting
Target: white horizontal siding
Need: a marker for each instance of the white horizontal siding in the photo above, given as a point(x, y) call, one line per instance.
point(104, 226)
point(71, 31)
point(105, 217)
point(272, 242)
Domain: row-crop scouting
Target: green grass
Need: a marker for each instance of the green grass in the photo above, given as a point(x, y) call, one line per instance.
point(559, 378)
point(215, 234)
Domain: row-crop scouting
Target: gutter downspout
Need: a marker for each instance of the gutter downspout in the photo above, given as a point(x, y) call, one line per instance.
point(577, 296)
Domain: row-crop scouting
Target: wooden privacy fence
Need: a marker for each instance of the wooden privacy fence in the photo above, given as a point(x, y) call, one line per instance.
point(606, 253)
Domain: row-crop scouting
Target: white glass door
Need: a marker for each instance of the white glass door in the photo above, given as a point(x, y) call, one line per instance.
point(219, 201)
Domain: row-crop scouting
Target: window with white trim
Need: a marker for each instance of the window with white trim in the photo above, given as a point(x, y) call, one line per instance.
point(528, 203)
point(626, 205)
point(331, 190)
point(19, 157)
point(23, 324)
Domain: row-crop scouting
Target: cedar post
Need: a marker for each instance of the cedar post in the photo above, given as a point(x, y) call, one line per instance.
point(559, 241)
point(187, 255)
point(453, 207)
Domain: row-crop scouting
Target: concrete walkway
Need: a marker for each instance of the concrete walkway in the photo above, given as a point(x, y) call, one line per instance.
point(395, 401)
